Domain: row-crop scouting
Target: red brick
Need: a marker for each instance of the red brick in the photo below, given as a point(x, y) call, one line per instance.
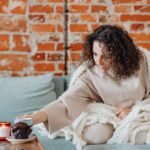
point(103, 18)
point(59, 9)
point(135, 18)
point(37, 18)
point(10, 62)
point(13, 23)
point(46, 46)
point(3, 6)
point(142, 8)
point(78, 8)
point(61, 66)
point(88, 17)
point(79, 28)
point(21, 43)
point(41, 9)
point(137, 27)
point(44, 67)
point(137, 7)
point(39, 57)
point(99, 8)
point(4, 42)
point(145, 45)
point(43, 28)
point(75, 56)
point(19, 9)
point(140, 36)
point(59, 28)
point(55, 57)
point(60, 47)
point(123, 9)
point(95, 26)
point(76, 46)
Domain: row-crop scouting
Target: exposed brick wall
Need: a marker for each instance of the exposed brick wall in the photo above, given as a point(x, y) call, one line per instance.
point(31, 31)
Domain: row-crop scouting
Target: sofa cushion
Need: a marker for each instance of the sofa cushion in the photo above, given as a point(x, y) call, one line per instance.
point(20, 95)
point(61, 84)
point(117, 147)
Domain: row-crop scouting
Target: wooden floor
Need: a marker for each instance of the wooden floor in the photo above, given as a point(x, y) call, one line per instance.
point(34, 145)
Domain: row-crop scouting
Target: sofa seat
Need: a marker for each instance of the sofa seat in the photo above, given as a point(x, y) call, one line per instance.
point(63, 144)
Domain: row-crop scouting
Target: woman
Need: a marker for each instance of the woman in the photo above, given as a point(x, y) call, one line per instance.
point(116, 74)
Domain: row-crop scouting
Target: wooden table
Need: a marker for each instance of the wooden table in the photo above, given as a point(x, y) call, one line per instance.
point(34, 145)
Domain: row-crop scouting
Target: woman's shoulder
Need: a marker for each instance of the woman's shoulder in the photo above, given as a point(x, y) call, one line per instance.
point(80, 72)
point(83, 72)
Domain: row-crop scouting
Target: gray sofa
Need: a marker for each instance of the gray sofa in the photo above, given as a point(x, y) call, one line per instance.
point(25, 95)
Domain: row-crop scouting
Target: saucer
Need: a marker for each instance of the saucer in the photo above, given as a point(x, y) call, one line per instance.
point(20, 141)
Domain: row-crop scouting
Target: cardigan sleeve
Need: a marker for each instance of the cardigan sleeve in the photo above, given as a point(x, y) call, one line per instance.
point(68, 107)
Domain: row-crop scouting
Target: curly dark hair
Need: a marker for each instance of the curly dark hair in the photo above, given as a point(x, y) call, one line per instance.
point(119, 47)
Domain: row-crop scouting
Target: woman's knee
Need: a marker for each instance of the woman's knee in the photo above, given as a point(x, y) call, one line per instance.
point(98, 133)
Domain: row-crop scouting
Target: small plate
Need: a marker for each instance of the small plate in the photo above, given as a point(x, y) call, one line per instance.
point(20, 141)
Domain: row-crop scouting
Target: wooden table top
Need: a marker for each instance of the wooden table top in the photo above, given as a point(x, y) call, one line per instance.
point(33, 145)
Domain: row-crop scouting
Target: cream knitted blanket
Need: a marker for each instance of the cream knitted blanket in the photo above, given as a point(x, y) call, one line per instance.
point(125, 130)
point(137, 120)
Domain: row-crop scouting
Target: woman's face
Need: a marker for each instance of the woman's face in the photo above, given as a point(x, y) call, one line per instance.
point(99, 58)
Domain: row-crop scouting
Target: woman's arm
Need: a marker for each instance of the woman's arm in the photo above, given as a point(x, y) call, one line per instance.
point(37, 117)
point(66, 109)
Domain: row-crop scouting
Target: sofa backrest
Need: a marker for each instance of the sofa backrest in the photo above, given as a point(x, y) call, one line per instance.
point(61, 84)
point(21, 95)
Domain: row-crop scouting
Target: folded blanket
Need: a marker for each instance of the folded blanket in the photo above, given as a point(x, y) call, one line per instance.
point(137, 120)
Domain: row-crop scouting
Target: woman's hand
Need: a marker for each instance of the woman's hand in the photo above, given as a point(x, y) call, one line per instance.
point(37, 117)
point(123, 112)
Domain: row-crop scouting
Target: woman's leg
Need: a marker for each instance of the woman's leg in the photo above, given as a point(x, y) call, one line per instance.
point(141, 137)
point(98, 133)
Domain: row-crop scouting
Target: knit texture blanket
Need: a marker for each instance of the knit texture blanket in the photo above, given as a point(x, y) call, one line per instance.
point(137, 120)
point(125, 130)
